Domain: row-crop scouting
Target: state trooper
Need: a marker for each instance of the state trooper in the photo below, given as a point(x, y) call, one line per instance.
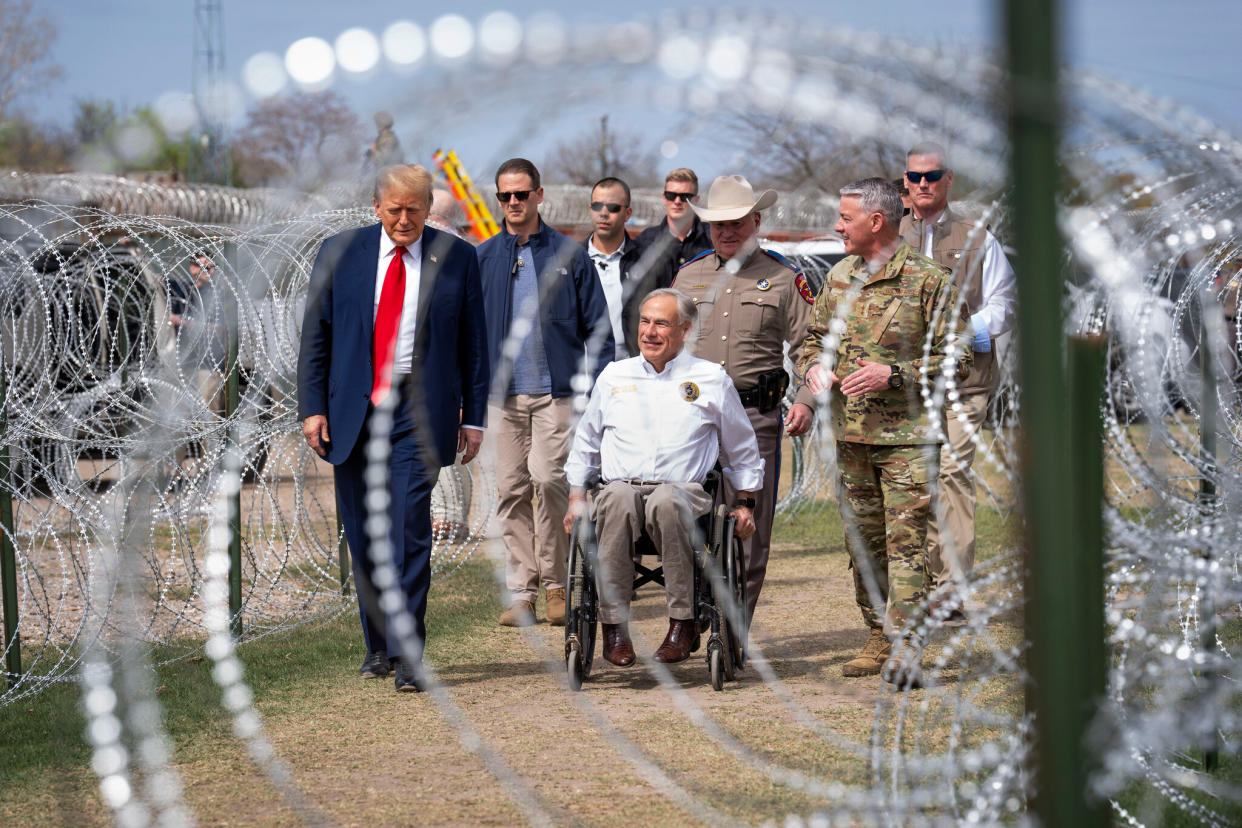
point(893, 301)
point(751, 302)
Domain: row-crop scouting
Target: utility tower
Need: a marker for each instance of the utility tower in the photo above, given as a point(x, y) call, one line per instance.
point(209, 162)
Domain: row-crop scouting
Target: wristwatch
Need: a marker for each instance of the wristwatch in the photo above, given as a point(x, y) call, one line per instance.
point(745, 502)
point(894, 379)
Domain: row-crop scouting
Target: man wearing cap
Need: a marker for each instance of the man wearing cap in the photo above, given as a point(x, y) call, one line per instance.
point(751, 302)
point(682, 235)
point(988, 289)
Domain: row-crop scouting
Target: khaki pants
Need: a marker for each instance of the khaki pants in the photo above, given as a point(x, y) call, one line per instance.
point(668, 512)
point(532, 433)
point(755, 549)
point(951, 541)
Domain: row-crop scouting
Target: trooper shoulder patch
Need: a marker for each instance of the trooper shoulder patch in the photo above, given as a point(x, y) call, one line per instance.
point(689, 391)
point(804, 287)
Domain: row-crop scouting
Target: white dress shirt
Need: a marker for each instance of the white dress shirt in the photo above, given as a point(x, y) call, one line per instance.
point(608, 266)
point(413, 260)
point(997, 283)
point(669, 426)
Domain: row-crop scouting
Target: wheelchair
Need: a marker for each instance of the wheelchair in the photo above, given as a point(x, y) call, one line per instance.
point(719, 594)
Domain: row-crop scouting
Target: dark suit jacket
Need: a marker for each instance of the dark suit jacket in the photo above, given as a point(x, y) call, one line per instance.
point(450, 351)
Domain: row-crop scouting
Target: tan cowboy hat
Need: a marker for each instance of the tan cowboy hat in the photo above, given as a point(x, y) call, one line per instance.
point(730, 198)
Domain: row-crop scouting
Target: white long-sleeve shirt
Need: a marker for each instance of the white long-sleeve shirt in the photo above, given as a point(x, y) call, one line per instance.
point(671, 426)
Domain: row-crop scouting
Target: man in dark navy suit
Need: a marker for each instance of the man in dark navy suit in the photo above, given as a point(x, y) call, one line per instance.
point(394, 326)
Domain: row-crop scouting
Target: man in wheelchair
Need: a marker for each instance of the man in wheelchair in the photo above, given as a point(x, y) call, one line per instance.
point(655, 426)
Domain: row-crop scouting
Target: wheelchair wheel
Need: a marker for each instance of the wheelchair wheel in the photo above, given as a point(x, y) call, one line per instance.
point(716, 659)
point(735, 583)
point(581, 602)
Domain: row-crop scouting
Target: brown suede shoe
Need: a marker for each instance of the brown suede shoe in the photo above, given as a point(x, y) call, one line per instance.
point(556, 607)
point(618, 649)
point(519, 614)
point(681, 641)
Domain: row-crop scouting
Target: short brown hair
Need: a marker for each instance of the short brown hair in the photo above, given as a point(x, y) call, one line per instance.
point(407, 178)
point(683, 174)
point(520, 166)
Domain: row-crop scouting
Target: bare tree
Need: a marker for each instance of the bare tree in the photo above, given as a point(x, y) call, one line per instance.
point(304, 139)
point(601, 152)
point(25, 52)
point(795, 155)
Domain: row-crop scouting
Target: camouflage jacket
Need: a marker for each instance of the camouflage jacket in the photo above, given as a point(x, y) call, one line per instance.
point(889, 322)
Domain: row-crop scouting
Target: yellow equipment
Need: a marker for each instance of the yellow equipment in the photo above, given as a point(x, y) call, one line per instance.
point(482, 225)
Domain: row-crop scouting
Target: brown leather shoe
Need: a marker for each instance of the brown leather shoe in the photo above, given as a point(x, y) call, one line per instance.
point(618, 649)
point(681, 641)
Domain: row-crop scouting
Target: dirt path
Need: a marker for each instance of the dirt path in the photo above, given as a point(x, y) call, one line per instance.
point(633, 748)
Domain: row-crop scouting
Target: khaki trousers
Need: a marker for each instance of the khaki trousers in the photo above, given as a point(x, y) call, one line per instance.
point(951, 538)
point(532, 434)
point(755, 549)
point(668, 512)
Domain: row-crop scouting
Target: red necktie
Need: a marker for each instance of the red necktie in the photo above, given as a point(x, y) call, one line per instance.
point(387, 322)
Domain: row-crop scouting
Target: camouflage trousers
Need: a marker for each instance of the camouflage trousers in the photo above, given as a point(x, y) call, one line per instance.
point(885, 500)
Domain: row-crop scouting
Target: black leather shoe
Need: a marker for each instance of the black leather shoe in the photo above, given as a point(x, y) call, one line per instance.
point(618, 649)
point(409, 677)
point(681, 641)
point(377, 665)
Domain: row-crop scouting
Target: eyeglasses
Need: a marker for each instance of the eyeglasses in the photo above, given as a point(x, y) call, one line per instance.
point(520, 195)
point(669, 195)
point(930, 175)
point(601, 206)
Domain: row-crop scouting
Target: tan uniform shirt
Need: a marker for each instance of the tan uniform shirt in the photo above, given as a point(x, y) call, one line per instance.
point(746, 318)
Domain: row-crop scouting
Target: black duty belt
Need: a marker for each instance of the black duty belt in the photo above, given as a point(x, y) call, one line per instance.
point(767, 395)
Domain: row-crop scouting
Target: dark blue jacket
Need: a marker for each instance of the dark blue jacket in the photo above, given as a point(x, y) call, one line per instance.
point(573, 311)
point(450, 353)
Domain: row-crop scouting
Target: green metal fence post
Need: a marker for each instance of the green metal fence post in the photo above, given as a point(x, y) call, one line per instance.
point(1054, 616)
point(230, 411)
point(1211, 333)
point(1087, 367)
point(8, 555)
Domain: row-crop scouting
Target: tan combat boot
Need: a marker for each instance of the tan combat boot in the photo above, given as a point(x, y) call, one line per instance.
point(556, 607)
point(904, 667)
point(519, 614)
point(868, 662)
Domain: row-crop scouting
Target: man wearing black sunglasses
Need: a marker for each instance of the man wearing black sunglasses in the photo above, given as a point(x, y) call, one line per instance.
point(616, 257)
point(681, 236)
point(541, 290)
point(986, 283)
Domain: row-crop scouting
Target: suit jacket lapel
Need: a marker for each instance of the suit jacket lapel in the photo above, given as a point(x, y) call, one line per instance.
point(365, 263)
point(435, 251)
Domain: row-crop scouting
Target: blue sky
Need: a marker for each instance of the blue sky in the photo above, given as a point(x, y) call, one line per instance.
point(133, 51)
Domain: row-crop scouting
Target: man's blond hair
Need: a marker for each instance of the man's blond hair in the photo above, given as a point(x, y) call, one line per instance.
point(403, 178)
point(683, 174)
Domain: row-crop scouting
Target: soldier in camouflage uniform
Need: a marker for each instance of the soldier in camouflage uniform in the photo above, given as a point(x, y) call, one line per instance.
point(887, 302)
point(751, 302)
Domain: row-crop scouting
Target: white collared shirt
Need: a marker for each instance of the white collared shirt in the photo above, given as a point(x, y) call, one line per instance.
point(670, 426)
point(413, 260)
point(608, 265)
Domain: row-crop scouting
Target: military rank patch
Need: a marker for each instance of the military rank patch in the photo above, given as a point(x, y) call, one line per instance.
point(804, 287)
point(763, 284)
point(689, 391)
